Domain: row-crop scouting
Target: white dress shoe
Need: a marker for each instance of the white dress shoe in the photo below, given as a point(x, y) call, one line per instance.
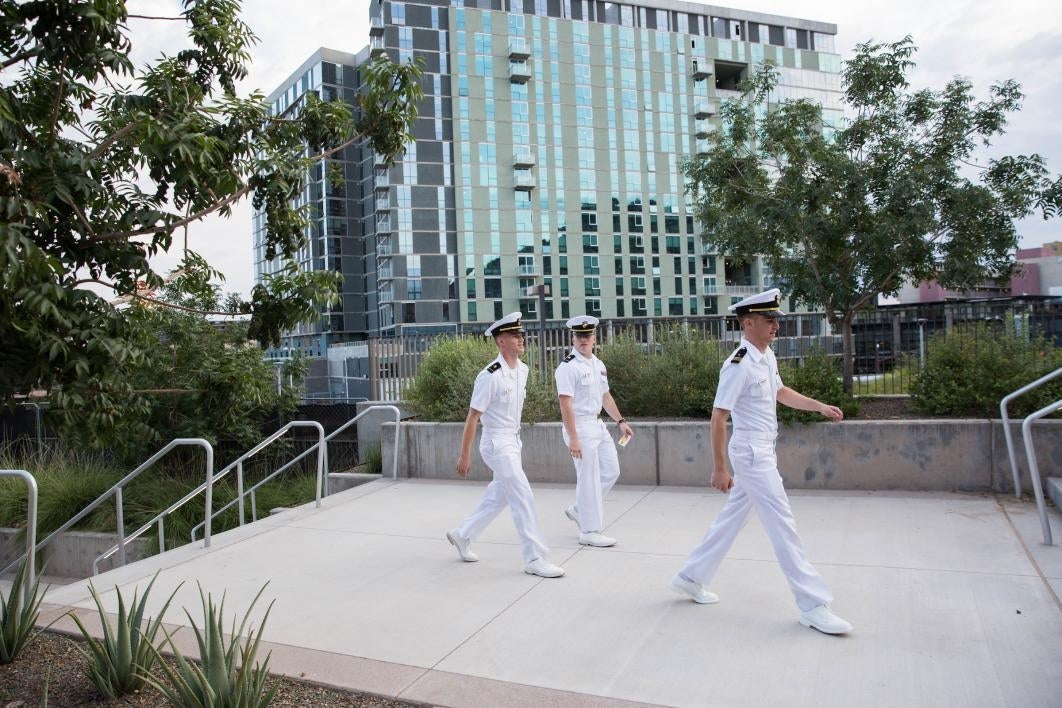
point(570, 513)
point(694, 591)
point(543, 569)
point(463, 546)
point(823, 619)
point(596, 539)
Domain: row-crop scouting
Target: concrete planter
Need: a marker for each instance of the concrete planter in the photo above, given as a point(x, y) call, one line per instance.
point(914, 455)
point(71, 554)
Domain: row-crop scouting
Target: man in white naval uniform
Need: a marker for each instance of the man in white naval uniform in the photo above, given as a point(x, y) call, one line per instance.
point(498, 398)
point(582, 387)
point(749, 386)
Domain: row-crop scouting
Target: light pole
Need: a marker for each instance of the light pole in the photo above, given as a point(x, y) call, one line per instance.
point(541, 290)
point(921, 343)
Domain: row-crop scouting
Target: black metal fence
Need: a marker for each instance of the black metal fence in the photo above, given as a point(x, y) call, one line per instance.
point(889, 343)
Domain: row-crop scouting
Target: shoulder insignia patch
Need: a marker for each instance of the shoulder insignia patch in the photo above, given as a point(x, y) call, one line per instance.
point(494, 367)
point(568, 358)
point(738, 355)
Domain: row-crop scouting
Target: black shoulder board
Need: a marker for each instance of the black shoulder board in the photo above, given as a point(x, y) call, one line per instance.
point(494, 367)
point(568, 358)
point(739, 355)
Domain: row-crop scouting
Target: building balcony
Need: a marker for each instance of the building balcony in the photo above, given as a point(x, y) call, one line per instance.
point(383, 223)
point(519, 48)
point(525, 270)
point(743, 290)
point(376, 26)
point(702, 147)
point(377, 46)
point(705, 108)
point(703, 128)
point(383, 203)
point(523, 159)
point(701, 70)
point(381, 182)
point(524, 182)
point(383, 245)
point(378, 160)
point(519, 72)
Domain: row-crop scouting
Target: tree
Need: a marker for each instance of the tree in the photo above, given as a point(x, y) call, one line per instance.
point(101, 165)
point(845, 213)
point(195, 377)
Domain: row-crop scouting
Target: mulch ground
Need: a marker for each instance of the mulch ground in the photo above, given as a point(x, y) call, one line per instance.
point(56, 659)
point(880, 408)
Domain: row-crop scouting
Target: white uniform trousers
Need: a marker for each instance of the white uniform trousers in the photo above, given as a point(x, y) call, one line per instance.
point(758, 484)
point(595, 473)
point(501, 452)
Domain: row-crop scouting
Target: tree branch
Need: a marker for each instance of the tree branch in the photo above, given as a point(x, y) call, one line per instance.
point(183, 308)
point(29, 53)
point(155, 17)
point(870, 294)
point(122, 235)
point(111, 140)
point(58, 100)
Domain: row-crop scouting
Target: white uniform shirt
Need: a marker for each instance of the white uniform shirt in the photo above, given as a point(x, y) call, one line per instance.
point(585, 380)
point(749, 389)
point(499, 394)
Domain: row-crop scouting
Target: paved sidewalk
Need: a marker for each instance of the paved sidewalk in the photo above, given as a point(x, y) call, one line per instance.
point(954, 599)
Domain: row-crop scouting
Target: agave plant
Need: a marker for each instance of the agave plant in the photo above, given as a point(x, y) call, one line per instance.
point(121, 661)
point(227, 675)
point(18, 615)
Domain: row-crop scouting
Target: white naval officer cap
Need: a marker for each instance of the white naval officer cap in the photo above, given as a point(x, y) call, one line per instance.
point(583, 324)
point(509, 323)
point(767, 303)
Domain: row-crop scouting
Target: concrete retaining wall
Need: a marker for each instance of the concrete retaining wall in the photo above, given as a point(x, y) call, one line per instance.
point(913, 455)
point(71, 554)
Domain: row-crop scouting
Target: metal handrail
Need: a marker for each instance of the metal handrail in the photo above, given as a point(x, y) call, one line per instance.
point(31, 530)
point(337, 431)
point(1006, 423)
point(116, 491)
point(1034, 470)
point(209, 516)
point(322, 461)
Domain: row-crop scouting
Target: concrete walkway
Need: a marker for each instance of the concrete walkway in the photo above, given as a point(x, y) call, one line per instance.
point(954, 599)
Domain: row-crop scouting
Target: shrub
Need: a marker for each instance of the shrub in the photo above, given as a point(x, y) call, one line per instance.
point(443, 385)
point(971, 368)
point(69, 480)
point(677, 378)
point(373, 459)
point(121, 662)
point(18, 614)
point(819, 377)
point(228, 674)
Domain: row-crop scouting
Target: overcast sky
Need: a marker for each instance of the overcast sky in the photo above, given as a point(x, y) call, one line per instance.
point(984, 41)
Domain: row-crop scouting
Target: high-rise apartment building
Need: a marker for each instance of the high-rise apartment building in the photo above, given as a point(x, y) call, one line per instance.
point(548, 151)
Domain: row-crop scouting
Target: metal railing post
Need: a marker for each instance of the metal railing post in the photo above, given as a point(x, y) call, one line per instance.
point(1034, 470)
point(119, 525)
point(1006, 423)
point(239, 488)
point(162, 534)
point(209, 497)
point(30, 574)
